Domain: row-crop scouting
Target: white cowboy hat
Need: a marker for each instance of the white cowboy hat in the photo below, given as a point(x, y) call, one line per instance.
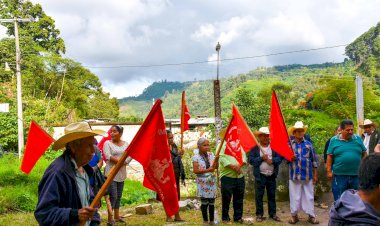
point(297, 125)
point(262, 130)
point(368, 122)
point(75, 131)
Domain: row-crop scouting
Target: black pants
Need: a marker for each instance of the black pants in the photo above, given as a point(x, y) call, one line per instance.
point(232, 188)
point(270, 184)
point(116, 193)
point(208, 204)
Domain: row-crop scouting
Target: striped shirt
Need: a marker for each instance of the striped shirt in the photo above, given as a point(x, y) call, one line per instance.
point(302, 168)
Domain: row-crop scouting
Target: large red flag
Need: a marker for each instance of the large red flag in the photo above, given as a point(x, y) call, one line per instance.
point(101, 143)
point(37, 143)
point(185, 115)
point(239, 137)
point(151, 149)
point(279, 139)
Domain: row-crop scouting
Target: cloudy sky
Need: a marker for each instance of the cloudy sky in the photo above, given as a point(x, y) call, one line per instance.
point(112, 37)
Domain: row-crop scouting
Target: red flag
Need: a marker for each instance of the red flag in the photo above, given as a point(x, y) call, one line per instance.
point(151, 149)
point(239, 137)
point(278, 134)
point(102, 141)
point(37, 143)
point(185, 115)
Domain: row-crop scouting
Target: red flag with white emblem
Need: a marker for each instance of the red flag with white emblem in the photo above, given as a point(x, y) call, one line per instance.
point(239, 137)
point(151, 149)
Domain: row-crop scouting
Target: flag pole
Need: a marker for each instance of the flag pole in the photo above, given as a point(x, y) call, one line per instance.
point(224, 136)
point(182, 118)
point(250, 132)
point(115, 169)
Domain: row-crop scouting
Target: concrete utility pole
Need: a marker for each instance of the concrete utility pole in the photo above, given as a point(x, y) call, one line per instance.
point(217, 105)
point(18, 78)
point(359, 102)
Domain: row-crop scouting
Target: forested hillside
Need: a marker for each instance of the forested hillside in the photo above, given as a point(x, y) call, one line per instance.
point(54, 89)
point(321, 95)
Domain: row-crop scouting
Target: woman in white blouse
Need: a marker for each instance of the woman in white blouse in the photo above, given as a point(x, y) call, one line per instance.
point(113, 150)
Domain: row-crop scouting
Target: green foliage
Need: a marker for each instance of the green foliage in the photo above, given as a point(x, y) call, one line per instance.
point(41, 30)
point(135, 193)
point(365, 52)
point(321, 126)
point(253, 109)
point(18, 190)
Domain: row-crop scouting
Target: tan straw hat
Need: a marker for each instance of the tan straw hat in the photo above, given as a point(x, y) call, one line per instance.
point(262, 130)
point(368, 122)
point(75, 131)
point(297, 125)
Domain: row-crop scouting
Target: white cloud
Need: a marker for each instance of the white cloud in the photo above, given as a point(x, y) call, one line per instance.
point(134, 32)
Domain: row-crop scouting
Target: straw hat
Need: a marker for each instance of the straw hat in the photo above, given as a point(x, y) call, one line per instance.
point(297, 125)
point(262, 130)
point(75, 131)
point(368, 122)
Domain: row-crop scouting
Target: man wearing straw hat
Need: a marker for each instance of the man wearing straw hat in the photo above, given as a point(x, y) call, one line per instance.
point(64, 192)
point(371, 135)
point(302, 174)
point(266, 163)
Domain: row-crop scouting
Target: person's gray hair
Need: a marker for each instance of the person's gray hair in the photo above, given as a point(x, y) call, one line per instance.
point(201, 141)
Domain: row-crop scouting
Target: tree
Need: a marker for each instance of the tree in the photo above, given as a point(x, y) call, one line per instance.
point(365, 52)
point(41, 31)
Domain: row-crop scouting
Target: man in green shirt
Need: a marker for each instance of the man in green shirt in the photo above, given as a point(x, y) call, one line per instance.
point(232, 186)
point(343, 159)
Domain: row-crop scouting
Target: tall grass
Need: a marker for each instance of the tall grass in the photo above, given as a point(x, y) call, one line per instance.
point(18, 190)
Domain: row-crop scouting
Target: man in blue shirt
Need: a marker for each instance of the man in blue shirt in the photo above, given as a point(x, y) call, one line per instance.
point(302, 174)
point(343, 159)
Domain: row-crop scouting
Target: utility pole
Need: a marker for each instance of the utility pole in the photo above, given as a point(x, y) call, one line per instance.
point(217, 105)
point(20, 125)
point(359, 102)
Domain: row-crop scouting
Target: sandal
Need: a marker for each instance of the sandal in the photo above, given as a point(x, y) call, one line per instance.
point(260, 218)
point(293, 220)
point(275, 218)
point(312, 220)
point(120, 220)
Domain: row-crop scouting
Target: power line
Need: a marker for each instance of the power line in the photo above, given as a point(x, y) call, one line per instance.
point(210, 61)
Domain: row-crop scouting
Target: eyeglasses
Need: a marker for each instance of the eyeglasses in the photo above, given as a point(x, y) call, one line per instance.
point(367, 126)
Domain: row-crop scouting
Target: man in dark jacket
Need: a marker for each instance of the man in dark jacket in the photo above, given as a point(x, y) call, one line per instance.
point(266, 163)
point(360, 207)
point(64, 192)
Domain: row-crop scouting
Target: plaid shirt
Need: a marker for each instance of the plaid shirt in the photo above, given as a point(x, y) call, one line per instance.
point(302, 168)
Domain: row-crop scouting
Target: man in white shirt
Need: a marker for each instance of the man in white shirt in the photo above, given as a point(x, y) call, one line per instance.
point(266, 163)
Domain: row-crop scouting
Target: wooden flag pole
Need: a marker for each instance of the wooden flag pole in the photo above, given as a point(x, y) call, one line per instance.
point(114, 170)
point(224, 136)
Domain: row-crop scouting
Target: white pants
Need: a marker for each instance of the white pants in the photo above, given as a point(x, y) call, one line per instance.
point(301, 195)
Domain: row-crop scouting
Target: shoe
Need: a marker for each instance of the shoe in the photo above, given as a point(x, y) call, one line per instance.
point(120, 220)
point(111, 223)
point(260, 218)
point(312, 220)
point(179, 220)
point(169, 220)
point(293, 220)
point(240, 221)
point(275, 218)
point(226, 222)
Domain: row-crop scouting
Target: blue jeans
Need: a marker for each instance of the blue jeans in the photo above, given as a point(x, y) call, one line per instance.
point(341, 183)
